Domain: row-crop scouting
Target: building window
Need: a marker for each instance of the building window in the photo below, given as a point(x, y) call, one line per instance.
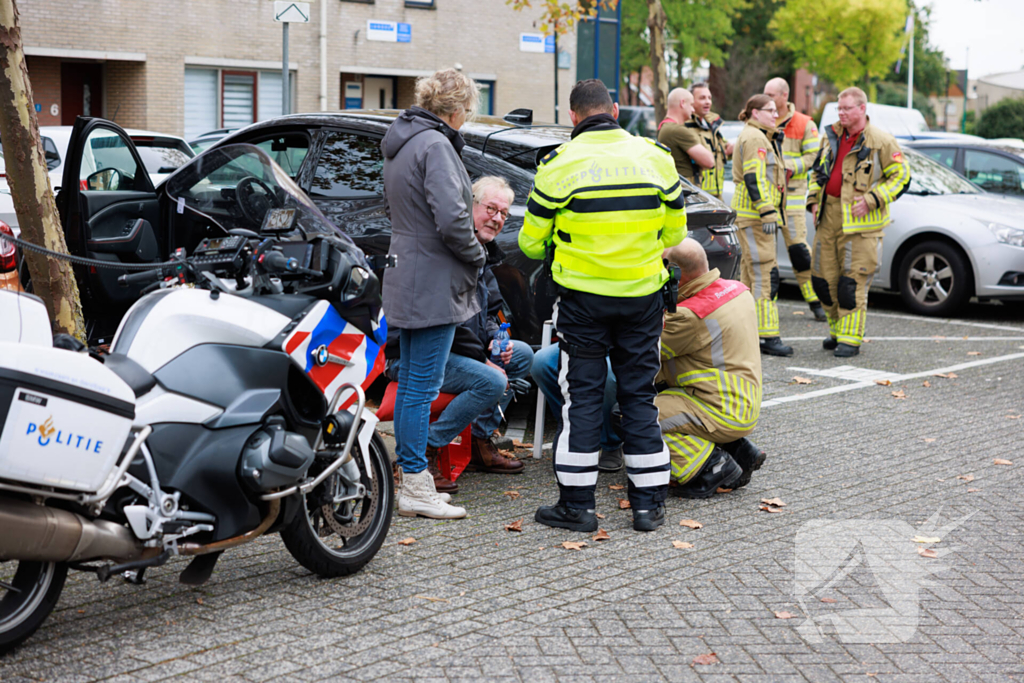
point(424, 4)
point(238, 102)
point(486, 98)
point(221, 98)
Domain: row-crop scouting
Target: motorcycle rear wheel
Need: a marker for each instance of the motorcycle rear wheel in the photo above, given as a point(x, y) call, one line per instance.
point(315, 542)
point(28, 593)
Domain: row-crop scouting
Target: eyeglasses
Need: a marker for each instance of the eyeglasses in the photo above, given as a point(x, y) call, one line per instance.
point(844, 110)
point(492, 210)
point(773, 110)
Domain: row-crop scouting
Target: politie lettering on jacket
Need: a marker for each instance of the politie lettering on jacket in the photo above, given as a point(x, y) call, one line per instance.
point(596, 173)
point(45, 437)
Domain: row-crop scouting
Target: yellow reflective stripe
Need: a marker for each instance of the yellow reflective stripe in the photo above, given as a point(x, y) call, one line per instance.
point(767, 318)
point(873, 220)
point(666, 351)
point(850, 328)
point(532, 229)
point(807, 289)
point(605, 271)
point(612, 222)
point(739, 416)
point(687, 455)
point(897, 175)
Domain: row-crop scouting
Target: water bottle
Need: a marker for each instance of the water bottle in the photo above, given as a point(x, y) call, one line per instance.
point(501, 343)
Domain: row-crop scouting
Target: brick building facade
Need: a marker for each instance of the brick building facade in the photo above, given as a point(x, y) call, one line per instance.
point(189, 66)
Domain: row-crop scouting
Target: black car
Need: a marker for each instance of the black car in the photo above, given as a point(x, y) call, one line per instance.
point(336, 159)
point(996, 167)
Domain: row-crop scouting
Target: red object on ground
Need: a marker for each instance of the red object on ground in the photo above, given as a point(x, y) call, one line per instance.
point(454, 457)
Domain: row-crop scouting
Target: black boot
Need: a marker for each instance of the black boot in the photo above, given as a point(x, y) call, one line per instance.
point(773, 346)
point(819, 311)
point(846, 351)
point(720, 470)
point(829, 344)
point(748, 456)
point(566, 518)
point(648, 520)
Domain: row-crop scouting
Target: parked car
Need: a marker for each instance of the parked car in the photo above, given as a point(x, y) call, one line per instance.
point(948, 240)
point(906, 124)
point(9, 261)
point(201, 143)
point(998, 168)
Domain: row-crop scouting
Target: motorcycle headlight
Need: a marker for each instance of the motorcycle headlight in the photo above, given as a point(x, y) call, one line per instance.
point(1007, 235)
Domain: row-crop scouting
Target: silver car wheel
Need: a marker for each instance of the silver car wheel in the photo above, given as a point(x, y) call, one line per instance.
point(931, 279)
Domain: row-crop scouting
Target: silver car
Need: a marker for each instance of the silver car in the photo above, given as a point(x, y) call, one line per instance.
point(948, 240)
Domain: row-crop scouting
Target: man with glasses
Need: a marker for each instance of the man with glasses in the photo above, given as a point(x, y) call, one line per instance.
point(799, 149)
point(855, 177)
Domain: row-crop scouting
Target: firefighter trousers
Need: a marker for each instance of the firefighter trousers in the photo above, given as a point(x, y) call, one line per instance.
point(628, 331)
point(689, 432)
point(759, 271)
point(794, 234)
point(843, 266)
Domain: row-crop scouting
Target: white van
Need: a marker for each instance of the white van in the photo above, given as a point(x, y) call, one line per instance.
point(901, 122)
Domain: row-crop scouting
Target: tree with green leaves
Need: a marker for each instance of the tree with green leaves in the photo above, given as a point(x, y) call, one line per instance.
point(1004, 119)
point(562, 17)
point(849, 42)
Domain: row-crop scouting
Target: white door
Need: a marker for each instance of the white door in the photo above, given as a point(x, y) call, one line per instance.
point(378, 93)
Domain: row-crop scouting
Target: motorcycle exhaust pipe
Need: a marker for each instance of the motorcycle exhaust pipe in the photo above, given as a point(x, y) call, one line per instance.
point(44, 534)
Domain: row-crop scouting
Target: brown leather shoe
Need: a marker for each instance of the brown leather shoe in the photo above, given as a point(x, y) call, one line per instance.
point(441, 483)
point(484, 457)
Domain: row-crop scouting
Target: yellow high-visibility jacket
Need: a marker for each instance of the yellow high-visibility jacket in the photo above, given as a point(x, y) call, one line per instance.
point(759, 175)
point(874, 169)
point(610, 203)
point(800, 147)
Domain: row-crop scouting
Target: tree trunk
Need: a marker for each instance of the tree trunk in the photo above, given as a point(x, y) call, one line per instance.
point(52, 280)
point(656, 21)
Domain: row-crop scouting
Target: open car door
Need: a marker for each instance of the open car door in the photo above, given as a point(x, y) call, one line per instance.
point(110, 212)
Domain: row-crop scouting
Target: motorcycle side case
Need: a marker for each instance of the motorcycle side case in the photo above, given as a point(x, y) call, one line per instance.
point(65, 417)
point(274, 458)
point(25, 320)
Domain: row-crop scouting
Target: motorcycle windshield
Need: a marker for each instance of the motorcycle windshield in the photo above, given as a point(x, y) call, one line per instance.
point(240, 186)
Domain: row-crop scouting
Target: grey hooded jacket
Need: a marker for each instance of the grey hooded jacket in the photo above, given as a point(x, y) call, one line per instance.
point(430, 201)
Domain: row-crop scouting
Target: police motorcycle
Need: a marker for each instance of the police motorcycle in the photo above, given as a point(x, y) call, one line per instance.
point(230, 406)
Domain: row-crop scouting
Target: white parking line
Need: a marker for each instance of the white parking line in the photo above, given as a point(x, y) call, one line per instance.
point(893, 378)
point(923, 319)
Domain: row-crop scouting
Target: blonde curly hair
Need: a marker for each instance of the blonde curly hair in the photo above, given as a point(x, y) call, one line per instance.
point(446, 92)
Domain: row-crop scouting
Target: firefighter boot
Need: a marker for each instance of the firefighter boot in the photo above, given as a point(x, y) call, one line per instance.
point(819, 311)
point(773, 346)
point(748, 456)
point(720, 471)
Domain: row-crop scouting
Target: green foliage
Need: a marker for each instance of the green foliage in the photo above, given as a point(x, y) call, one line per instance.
point(702, 29)
point(971, 123)
point(895, 94)
point(1004, 119)
point(562, 17)
point(846, 41)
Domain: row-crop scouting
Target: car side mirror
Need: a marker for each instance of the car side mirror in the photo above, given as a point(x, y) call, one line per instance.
point(105, 180)
point(52, 159)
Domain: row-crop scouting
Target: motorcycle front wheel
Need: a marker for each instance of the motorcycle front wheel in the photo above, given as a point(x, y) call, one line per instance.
point(338, 539)
point(28, 593)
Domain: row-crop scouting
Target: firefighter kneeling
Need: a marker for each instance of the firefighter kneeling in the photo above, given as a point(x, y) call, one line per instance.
point(711, 363)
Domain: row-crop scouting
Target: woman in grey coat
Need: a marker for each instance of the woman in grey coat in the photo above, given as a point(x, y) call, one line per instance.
point(431, 290)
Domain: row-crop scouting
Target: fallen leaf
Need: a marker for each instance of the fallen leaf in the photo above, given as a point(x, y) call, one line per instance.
point(616, 487)
point(926, 384)
point(705, 659)
point(784, 615)
point(884, 382)
point(515, 526)
point(681, 545)
point(948, 375)
point(599, 515)
point(407, 541)
point(1013, 417)
point(773, 501)
point(623, 504)
point(802, 380)
point(512, 495)
point(721, 490)
point(1000, 461)
point(927, 552)
point(870, 674)
point(966, 337)
point(431, 598)
point(601, 535)
point(974, 353)
point(966, 477)
point(867, 341)
point(199, 601)
point(693, 524)
point(770, 509)
point(574, 545)
point(82, 611)
point(519, 444)
point(926, 539)
point(799, 313)
point(899, 395)
point(829, 600)
point(973, 490)
point(928, 439)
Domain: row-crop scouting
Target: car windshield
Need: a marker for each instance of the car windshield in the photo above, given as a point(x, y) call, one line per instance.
point(162, 156)
point(929, 177)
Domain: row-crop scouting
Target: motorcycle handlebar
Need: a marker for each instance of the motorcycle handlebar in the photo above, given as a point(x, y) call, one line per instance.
point(141, 277)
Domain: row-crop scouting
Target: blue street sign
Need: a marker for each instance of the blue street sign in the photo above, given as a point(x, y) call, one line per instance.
point(404, 33)
point(39, 108)
point(549, 44)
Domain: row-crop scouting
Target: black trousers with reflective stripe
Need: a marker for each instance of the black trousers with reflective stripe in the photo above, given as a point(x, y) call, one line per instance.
point(628, 331)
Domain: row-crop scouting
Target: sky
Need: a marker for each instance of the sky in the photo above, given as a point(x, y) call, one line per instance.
point(992, 29)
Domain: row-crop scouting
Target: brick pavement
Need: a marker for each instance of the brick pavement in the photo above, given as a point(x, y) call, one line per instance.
point(517, 607)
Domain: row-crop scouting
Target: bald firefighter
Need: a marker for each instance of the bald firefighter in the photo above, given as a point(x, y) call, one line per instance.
point(691, 156)
point(608, 204)
point(712, 366)
point(799, 149)
point(707, 123)
point(858, 173)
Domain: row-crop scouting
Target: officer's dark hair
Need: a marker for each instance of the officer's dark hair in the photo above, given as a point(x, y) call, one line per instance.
point(702, 84)
point(755, 102)
point(590, 97)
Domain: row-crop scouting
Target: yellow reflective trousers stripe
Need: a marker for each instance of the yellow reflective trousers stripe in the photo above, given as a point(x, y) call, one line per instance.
point(688, 454)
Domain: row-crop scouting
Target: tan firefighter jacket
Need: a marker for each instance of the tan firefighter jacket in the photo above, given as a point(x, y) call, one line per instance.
point(707, 128)
point(800, 147)
point(759, 175)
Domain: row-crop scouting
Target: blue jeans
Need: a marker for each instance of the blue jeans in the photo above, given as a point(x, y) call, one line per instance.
point(545, 374)
point(420, 374)
point(490, 417)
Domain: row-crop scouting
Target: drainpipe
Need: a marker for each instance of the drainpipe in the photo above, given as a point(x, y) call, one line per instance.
point(323, 55)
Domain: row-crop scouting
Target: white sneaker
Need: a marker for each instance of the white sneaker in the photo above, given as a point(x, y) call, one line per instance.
point(445, 498)
point(418, 497)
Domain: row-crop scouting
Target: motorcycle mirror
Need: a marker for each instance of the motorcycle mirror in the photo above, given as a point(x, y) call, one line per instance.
point(242, 232)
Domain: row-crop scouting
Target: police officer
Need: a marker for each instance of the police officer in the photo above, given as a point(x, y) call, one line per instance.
point(609, 203)
point(707, 123)
point(799, 149)
point(857, 174)
point(759, 201)
point(690, 155)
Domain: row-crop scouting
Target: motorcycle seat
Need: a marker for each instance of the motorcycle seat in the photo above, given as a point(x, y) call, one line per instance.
point(133, 374)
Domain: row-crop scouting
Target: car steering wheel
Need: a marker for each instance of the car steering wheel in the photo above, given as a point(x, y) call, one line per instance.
point(254, 205)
